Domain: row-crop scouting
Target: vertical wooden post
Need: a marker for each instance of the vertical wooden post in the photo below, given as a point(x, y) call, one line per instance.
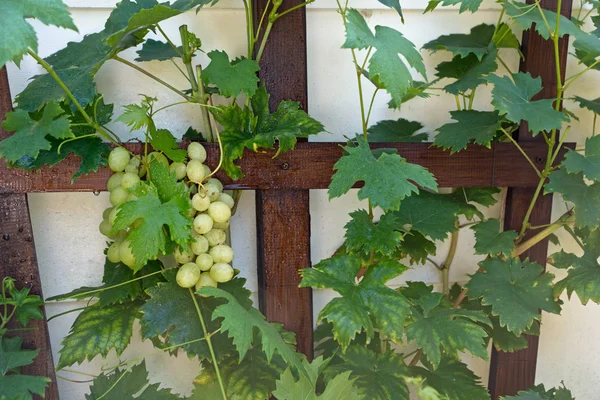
point(18, 260)
point(282, 216)
point(511, 372)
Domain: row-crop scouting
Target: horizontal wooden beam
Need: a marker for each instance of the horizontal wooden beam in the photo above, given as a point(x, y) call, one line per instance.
point(310, 166)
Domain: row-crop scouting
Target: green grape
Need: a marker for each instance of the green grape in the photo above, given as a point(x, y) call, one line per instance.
point(195, 171)
point(221, 225)
point(183, 256)
point(221, 272)
point(204, 262)
point(114, 253)
point(106, 213)
point(131, 197)
point(118, 196)
point(126, 255)
point(118, 159)
point(112, 217)
point(222, 254)
point(196, 152)
point(206, 170)
point(179, 169)
point(216, 182)
point(133, 166)
point(212, 191)
point(188, 275)
point(105, 228)
point(114, 181)
point(227, 199)
point(199, 245)
point(129, 180)
point(215, 237)
point(200, 202)
point(219, 211)
point(205, 280)
point(203, 223)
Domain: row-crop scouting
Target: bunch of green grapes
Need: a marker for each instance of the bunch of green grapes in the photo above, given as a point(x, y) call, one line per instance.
point(207, 260)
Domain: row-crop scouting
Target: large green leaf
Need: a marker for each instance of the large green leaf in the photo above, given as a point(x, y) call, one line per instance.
point(477, 42)
point(513, 99)
point(98, 330)
point(417, 247)
point(362, 234)
point(453, 380)
point(22, 387)
point(401, 130)
point(155, 50)
point(140, 23)
point(472, 126)
point(366, 305)
point(468, 71)
point(592, 105)
point(465, 197)
point(431, 214)
point(489, 239)
point(256, 128)
point(388, 179)
point(26, 306)
point(516, 290)
point(231, 78)
point(588, 163)
point(539, 392)
point(163, 140)
point(583, 275)
point(18, 36)
point(437, 326)
point(31, 136)
point(470, 5)
point(12, 357)
point(526, 15)
point(376, 376)
point(573, 188)
point(386, 64)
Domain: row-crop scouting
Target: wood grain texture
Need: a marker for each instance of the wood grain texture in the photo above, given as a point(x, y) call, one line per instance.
point(310, 166)
point(283, 216)
point(18, 260)
point(511, 372)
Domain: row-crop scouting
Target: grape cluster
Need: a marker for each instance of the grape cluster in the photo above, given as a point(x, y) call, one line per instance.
point(206, 261)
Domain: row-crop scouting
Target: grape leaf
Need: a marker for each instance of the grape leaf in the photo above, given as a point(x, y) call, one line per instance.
point(417, 247)
point(240, 323)
point(231, 78)
point(470, 5)
point(140, 22)
point(365, 305)
point(388, 179)
point(395, 4)
point(478, 126)
point(465, 196)
point(506, 39)
point(583, 275)
point(164, 141)
point(385, 64)
point(326, 346)
point(589, 163)
point(513, 99)
point(489, 239)
point(158, 205)
point(526, 18)
point(362, 234)
point(468, 71)
point(12, 357)
point(155, 50)
point(22, 387)
point(399, 131)
point(30, 135)
point(18, 36)
point(125, 383)
point(98, 330)
point(592, 105)
point(257, 128)
point(515, 290)
point(376, 376)
point(137, 116)
point(573, 188)
point(459, 44)
point(431, 214)
point(452, 379)
point(436, 326)
point(26, 306)
point(539, 392)
point(416, 89)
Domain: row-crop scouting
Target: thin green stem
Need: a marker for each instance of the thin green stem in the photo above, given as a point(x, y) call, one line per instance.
point(258, 29)
point(435, 264)
point(66, 312)
point(209, 344)
point(543, 15)
point(114, 384)
point(536, 194)
point(371, 106)
point(294, 8)
point(594, 125)
point(263, 42)
point(578, 75)
point(504, 64)
point(72, 140)
point(472, 98)
point(560, 144)
point(203, 100)
point(529, 160)
point(499, 22)
point(449, 259)
point(179, 53)
point(565, 219)
point(457, 102)
point(221, 153)
point(169, 106)
point(187, 78)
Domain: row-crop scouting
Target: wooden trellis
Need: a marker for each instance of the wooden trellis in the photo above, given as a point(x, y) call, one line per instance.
point(282, 207)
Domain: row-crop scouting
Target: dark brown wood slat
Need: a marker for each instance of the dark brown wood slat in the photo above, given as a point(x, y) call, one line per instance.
point(283, 216)
point(511, 372)
point(18, 259)
point(310, 166)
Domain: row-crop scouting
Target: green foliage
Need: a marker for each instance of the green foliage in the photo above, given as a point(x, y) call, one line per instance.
point(465, 5)
point(489, 239)
point(588, 163)
point(401, 130)
point(385, 64)
point(386, 177)
point(592, 105)
point(366, 305)
point(468, 71)
point(98, 330)
point(573, 188)
point(512, 98)
point(516, 290)
point(18, 35)
point(22, 305)
point(476, 42)
point(254, 128)
point(539, 392)
point(162, 140)
point(526, 18)
point(231, 78)
point(472, 126)
point(362, 234)
point(155, 50)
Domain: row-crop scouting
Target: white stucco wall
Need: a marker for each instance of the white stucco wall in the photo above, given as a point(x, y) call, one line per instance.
point(69, 246)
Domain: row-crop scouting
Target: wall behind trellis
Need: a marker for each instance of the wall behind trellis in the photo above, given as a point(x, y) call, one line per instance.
point(69, 246)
